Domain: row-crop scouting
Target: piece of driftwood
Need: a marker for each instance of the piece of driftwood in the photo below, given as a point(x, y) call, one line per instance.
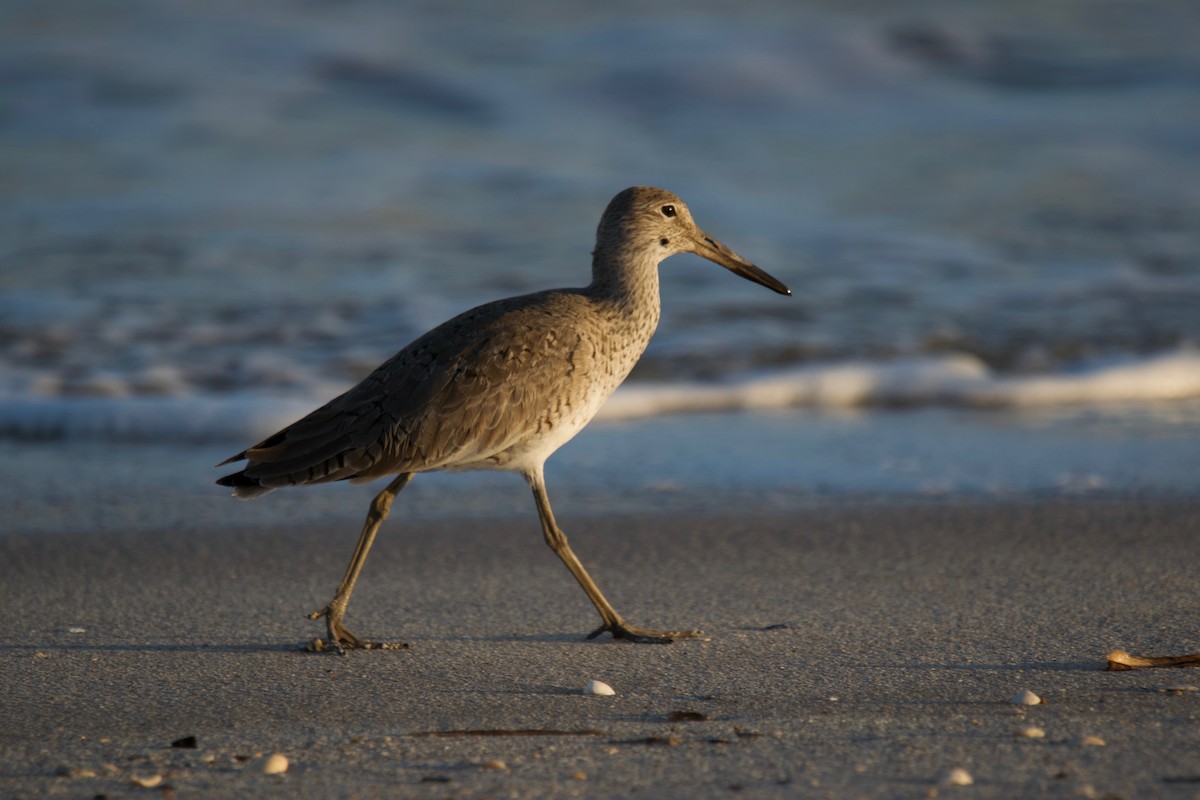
point(1119, 659)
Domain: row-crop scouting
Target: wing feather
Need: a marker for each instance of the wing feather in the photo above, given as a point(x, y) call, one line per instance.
point(463, 393)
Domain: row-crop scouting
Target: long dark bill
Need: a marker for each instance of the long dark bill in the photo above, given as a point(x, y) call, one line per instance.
point(714, 251)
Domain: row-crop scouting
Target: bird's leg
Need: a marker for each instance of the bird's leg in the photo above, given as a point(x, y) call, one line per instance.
point(613, 622)
point(339, 637)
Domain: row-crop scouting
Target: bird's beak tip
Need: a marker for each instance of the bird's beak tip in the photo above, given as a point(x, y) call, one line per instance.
point(707, 247)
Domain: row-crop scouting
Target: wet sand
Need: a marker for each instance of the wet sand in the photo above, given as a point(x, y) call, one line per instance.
point(854, 653)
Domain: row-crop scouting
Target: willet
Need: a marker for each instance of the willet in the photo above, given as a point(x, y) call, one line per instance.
point(499, 387)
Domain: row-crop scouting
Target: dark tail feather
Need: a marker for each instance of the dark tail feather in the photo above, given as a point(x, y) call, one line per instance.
point(232, 459)
point(243, 486)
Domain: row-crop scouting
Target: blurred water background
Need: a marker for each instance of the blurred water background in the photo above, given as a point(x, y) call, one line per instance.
point(217, 215)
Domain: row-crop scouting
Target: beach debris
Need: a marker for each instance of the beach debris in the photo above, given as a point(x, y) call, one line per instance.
point(275, 764)
point(1120, 660)
point(146, 781)
point(1025, 698)
point(956, 777)
point(1032, 732)
point(495, 763)
point(598, 687)
point(76, 629)
point(655, 741)
point(185, 741)
point(1180, 688)
point(686, 716)
point(512, 732)
point(579, 776)
point(1092, 741)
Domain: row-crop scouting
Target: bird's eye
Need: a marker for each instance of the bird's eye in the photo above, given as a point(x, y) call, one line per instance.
point(668, 211)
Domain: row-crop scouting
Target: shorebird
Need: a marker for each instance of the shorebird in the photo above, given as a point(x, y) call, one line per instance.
point(499, 387)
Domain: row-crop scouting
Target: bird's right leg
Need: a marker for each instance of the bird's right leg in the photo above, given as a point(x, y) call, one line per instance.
point(339, 637)
point(613, 622)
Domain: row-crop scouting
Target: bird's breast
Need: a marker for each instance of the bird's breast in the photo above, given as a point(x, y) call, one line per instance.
point(549, 386)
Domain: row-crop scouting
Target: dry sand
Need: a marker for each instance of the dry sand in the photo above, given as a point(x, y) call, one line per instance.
point(854, 653)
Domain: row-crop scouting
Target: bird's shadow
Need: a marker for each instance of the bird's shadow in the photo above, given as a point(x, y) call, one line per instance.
point(293, 646)
point(301, 648)
point(151, 647)
point(1018, 666)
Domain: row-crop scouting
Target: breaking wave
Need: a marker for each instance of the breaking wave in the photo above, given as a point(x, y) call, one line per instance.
point(953, 380)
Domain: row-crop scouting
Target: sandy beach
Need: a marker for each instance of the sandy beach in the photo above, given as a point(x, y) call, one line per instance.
point(959, 463)
point(854, 652)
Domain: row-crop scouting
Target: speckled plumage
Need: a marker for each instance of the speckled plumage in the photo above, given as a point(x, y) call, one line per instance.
point(449, 400)
point(501, 386)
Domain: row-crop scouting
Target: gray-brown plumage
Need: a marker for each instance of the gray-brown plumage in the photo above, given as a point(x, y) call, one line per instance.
point(501, 386)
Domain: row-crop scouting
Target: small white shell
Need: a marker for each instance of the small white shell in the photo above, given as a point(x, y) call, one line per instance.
point(598, 687)
point(1032, 732)
point(1093, 741)
point(957, 777)
point(146, 781)
point(1025, 698)
point(275, 764)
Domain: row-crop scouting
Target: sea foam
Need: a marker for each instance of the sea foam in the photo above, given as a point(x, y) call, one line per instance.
point(953, 380)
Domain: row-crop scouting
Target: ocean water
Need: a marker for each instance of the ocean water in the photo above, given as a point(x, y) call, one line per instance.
point(217, 215)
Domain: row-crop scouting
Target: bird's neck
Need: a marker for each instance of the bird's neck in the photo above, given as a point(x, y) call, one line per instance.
point(628, 279)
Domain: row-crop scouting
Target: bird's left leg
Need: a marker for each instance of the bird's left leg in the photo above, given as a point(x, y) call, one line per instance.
point(339, 637)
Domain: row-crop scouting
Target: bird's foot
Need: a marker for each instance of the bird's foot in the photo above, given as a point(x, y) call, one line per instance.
point(340, 639)
point(631, 633)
